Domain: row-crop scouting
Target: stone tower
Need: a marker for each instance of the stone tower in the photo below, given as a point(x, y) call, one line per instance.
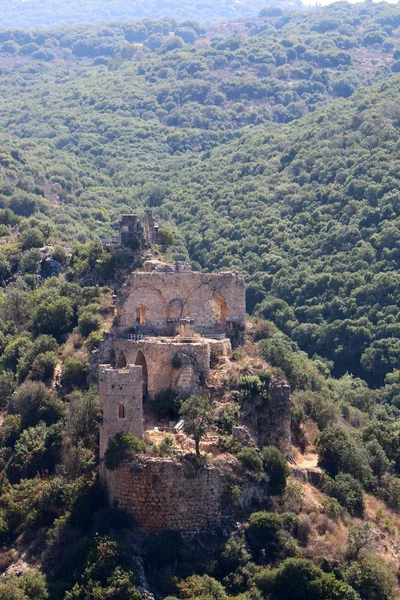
point(120, 392)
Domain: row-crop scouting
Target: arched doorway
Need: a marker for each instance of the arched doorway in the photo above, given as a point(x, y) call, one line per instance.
point(220, 310)
point(121, 361)
point(141, 315)
point(140, 360)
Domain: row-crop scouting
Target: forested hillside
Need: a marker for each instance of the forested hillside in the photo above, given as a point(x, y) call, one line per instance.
point(268, 145)
point(100, 120)
point(26, 14)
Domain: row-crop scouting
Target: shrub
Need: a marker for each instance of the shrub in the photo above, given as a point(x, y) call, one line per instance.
point(164, 549)
point(276, 467)
point(167, 404)
point(299, 579)
point(202, 586)
point(88, 323)
point(122, 447)
point(263, 532)
point(35, 402)
point(53, 317)
point(250, 459)
point(93, 340)
point(348, 491)
point(371, 578)
point(74, 372)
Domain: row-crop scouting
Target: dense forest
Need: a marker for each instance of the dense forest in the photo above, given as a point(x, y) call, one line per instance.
point(268, 145)
point(26, 14)
point(99, 120)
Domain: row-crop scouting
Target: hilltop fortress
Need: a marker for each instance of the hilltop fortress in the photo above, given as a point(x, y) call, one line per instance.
point(171, 325)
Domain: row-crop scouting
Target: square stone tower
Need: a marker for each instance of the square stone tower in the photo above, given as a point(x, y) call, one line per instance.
point(120, 392)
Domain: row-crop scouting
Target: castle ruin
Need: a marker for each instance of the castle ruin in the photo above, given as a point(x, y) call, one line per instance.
point(170, 325)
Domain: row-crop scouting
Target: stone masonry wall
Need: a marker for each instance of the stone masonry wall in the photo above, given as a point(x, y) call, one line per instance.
point(165, 493)
point(187, 294)
point(159, 355)
point(120, 392)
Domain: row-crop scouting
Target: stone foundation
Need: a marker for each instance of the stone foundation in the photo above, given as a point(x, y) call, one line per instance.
point(165, 493)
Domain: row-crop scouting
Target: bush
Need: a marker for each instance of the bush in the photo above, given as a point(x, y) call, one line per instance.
point(202, 586)
point(263, 532)
point(53, 317)
point(276, 467)
point(349, 493)
point(371, 578)
point(74, 372)
point(122, 447)
point(299, 579)
point(164, 549)
point(250, 459)
point(89, 323)
point(35, 402)
point(167, 404)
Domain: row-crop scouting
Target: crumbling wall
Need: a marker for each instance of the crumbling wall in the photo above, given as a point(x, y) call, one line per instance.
point(166, 493)
point(120, 392)
point(182, 367)
point(268, 419)
point(215, 301)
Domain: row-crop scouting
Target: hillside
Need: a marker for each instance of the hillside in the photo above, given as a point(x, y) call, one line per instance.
point(268, 145)
point(98, 122)
point(28, 14)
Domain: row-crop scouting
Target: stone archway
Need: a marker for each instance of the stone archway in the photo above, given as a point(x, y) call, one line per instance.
point(121, 360)
point(141, 315)
point(141, 361)
point(220, 310)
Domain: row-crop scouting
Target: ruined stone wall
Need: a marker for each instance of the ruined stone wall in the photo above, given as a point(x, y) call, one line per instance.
point(194, 360)
point(268, 420)
point(214, 301)
point(164, 493)
point(120, 392)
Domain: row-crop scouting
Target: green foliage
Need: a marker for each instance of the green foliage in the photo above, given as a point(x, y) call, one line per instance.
point(167, 404)
point(263, 533)
point(164, 549)
point(338, 452)
point(53, 317)
point(74, 372)
point(31, 585)
point(251, 459)
point(198, 415)
point(35, 402)
point(276, 468)
point(299, 579)
point(202, 586)
point(349, 493)
point(88, 323)
point(122, 447)
point(371, 578)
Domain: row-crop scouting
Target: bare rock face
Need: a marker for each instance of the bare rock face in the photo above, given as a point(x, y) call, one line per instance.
point(241, 434)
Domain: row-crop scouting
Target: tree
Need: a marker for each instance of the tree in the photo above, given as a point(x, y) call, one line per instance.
point(198, 414)
point(54, 317)
point(276, 467)
point(74, 372)
point(123, 446)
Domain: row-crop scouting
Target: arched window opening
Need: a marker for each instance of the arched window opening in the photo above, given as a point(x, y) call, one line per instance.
point(141, 315)
point(121, 411)
point(220, 310)
point(121, 361)
point(141, 361)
